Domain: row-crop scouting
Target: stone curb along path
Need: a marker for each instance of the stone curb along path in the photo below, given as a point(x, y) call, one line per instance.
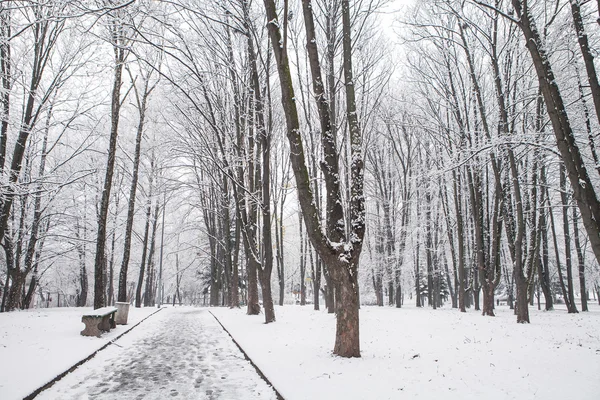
point(76, 365)
point(258, 371)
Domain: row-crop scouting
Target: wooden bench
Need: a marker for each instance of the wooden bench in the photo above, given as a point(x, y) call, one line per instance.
point(98, 321)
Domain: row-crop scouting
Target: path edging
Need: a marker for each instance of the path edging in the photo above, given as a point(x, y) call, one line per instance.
point(77, 364)
point(258, 370)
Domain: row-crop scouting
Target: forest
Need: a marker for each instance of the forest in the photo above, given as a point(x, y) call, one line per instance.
point(329, 153)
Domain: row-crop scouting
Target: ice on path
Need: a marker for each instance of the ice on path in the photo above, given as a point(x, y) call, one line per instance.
point(180, 353)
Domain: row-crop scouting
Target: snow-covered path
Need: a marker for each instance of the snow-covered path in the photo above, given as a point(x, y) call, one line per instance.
point(180, 353)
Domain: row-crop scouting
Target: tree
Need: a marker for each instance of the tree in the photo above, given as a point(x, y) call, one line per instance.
point(119, 41)
point(339, 253)
point(141, 98)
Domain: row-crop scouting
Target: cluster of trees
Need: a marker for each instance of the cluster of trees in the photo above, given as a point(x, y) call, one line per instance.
point(505, 93)
point(217, 149)
point(63, 96)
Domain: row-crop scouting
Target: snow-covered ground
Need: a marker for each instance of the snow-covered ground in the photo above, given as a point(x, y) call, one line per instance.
point(180, 353)
point(37, 345)
point(414, 353)
point(407, 353)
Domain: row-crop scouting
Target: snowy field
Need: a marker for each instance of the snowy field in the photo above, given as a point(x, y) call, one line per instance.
point(37, 345)
point(425, 354)
point(406, 354)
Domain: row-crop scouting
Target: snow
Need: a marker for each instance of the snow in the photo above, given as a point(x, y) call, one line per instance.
point(426, 354)
point(406, 353)
point(37, 345)
point(179, 353)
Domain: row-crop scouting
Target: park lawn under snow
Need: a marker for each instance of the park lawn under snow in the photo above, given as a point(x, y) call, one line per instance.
point(414, 353)
point(37, 345)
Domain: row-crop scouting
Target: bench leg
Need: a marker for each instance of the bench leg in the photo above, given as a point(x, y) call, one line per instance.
point(91, 326)
point(105, 324)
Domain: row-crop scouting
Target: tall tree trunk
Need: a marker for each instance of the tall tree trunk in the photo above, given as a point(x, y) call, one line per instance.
point(100, 261)
point(429, 250)
point(581, 263)
point(302, 261)
point(544, 264)
point(138, 290)
point(150, 271)
point(316, 275)
point(266, 267)
point(279, 257)
point(10, 265)
point(235, 284)
point(568, 256)
point(141, 102)
point(557, 256)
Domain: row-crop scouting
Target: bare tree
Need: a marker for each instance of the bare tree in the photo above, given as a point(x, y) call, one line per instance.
point(119, 40)
point(340, 253)
point(141, 97)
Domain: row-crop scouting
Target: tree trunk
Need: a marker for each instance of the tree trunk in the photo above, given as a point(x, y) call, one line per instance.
point(122, 294)
point(150, 272)
point(568, 257)
point(235, 283)
point(267, 260)
point(543, 264)
point(522, 306)
point(557, 256)
point(100, 261)
point(138, 290)
point(316, 277)
point(6, 78)
point(81, 250)
point(581, 263)
point(347, 340)
point(280, 266)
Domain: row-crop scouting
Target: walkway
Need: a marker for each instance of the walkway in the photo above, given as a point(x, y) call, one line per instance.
point(179, 353)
